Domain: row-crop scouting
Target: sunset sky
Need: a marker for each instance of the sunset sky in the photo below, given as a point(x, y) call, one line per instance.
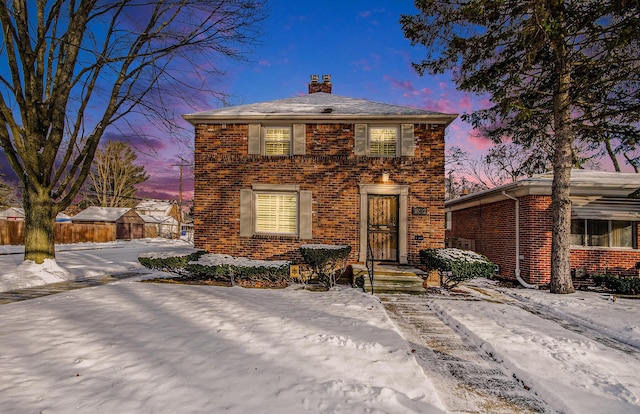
point(359, 43)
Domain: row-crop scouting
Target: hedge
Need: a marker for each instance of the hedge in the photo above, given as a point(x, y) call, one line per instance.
point(456, 265)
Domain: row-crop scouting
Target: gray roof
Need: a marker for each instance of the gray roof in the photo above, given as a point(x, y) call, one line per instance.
point(584, 183)
point(316, 106)
point(94, 213)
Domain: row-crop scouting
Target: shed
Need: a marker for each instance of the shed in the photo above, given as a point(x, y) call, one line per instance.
point(17, 214)
point(129, 224)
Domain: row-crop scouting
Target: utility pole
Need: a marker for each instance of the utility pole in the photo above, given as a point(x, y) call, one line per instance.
point(181, 165)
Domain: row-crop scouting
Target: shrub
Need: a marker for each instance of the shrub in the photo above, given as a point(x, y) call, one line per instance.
point(327, 262)
point(456, 266)
point(240, 271)
point(173, 262)
point(618, 284)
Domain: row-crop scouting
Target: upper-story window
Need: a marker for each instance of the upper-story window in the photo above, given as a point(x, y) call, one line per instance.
point(277, 141)
point(383, 141)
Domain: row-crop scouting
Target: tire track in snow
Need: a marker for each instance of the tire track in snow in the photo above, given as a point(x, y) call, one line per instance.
point(573, 324)
point(468, 379)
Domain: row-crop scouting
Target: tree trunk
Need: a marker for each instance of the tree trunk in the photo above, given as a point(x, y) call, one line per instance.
point(39, 225)
point(562, 163)
point(612, 155)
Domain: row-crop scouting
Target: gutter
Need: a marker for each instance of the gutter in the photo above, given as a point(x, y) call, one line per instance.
point(517, 271)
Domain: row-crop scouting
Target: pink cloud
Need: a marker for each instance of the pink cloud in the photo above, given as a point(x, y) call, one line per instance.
point(264, 62)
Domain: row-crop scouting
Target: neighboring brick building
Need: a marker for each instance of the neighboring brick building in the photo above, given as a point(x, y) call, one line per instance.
point(319, 168)
point(604, 228)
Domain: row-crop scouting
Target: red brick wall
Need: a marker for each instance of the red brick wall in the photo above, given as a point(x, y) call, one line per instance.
point(492, 226)
point(535, 239)
point(493, 229)
point(329, 170)
point(613, 261)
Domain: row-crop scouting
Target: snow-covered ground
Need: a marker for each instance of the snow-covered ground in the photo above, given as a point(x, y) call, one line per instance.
point(133, 347)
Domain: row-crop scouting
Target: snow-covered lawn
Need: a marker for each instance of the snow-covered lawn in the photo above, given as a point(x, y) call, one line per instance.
point(573, 372)
point(131, 347)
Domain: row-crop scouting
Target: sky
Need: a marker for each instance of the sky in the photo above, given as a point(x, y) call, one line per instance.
point(167, 348)
point(358, 43)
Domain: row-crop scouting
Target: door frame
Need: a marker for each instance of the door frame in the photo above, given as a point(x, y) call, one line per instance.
point(402, 191)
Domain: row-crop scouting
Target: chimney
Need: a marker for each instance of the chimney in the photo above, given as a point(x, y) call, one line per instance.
point(315, 86)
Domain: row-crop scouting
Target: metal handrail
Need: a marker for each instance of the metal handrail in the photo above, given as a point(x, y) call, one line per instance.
point(369, 263)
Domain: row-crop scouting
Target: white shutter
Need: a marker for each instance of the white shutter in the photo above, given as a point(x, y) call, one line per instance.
point(246, 213)
point(306, 215)
point(254, 139)
point(299, 139)
point(408, 140)
point(360, 138)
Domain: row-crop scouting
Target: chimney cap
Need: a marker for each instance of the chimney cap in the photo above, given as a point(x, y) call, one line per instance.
point(314, 78)
point(326, 78)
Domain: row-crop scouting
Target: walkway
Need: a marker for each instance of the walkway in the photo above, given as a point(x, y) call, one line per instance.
point(469, 379)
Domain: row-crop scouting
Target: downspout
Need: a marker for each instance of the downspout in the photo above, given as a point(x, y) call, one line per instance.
point(517, 271)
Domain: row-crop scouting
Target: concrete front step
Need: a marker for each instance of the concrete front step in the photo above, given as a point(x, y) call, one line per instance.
point(390, 279)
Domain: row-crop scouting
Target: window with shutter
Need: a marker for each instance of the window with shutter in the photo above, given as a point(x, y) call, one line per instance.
point(277, 213)
point(383, 141)
point(277, 141)
point(276, 209)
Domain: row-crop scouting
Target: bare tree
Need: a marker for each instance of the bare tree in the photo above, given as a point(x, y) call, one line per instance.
point(71, 69)
point(8, 194)
point(501, 164)
point(114, 176)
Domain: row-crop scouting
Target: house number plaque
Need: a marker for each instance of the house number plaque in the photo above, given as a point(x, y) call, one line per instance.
point(419, 211)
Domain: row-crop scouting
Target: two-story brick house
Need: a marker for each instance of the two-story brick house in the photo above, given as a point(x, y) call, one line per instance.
point(319, 168)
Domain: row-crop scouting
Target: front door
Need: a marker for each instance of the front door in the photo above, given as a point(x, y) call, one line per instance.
point(382, 227)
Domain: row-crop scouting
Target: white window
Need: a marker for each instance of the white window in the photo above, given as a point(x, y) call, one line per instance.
point(276, 213)
point(602, 233)
point(277, 141)
point(447, 220)
point(276, 209)
point(383, 141)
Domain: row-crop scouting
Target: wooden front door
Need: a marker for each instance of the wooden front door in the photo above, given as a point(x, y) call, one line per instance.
point(382, 227)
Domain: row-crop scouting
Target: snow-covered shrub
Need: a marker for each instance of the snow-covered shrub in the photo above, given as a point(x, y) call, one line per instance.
point(240, 271)
point(327, 262)
point(174, 261)
point(619, 284)
point(456, 265)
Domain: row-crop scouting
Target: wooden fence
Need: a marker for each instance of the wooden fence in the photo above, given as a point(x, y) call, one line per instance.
point(12, 232)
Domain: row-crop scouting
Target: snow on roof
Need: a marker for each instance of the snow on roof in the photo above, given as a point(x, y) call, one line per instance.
point(154, 205)
point(315, 105)
point(95, 213)
point(19, 213)
point(583, 182)
point(12, 212)
point(151, 219)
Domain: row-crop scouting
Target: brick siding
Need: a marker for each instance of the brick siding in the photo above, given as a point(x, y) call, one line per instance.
point(492, 226)
point(330, 170)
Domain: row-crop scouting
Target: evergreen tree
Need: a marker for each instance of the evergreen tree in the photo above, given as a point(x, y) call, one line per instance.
point(555, 69)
